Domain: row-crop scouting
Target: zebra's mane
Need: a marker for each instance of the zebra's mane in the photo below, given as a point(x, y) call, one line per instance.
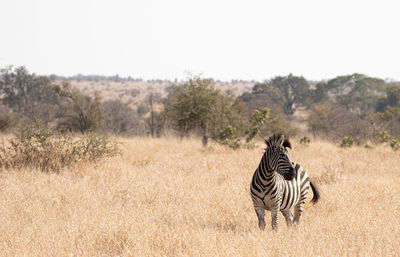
point(276, 140)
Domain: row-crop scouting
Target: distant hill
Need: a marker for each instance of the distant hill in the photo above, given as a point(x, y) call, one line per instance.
point(133, 92)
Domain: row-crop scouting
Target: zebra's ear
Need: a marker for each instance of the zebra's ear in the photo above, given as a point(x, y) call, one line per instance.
point(286, 143)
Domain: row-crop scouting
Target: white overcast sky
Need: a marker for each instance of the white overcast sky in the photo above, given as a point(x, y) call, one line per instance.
point(222, 39)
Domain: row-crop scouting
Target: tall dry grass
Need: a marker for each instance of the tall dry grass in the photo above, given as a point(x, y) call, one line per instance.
point(167, 197)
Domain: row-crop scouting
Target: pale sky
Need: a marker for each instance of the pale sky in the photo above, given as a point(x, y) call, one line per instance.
point(222, 39)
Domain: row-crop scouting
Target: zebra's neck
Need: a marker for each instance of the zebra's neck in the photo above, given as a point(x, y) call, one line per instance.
point(264, 168)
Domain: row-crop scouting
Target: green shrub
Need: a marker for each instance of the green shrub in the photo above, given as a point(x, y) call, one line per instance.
point(384, 137)
point(347, 141)
point(41, 148)
point(395, 144)
point(227, 136)
point(226, 133)
point(265, 124)
point(305, 141)
point(368, 146)
point(261, 115)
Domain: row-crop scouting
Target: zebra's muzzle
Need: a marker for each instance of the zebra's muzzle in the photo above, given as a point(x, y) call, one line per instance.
point(289, 175)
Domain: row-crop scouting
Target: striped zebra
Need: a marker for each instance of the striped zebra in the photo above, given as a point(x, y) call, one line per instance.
point(279, 185)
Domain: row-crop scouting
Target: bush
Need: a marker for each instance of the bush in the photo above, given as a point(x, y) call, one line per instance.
point(6, 122)
point(80, 112)
point(226, 133)
point(197, 107)
point(227, 137)
point(264, 124)
point(384, 137)
point(395, 144)
point(368, 146)
point(305, 141)
point(93, 147)
point(35, 147)
point(334, 122)
point(121, 119)
point(347, 142)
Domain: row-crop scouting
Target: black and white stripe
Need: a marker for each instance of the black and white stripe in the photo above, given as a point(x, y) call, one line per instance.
point(279, 184)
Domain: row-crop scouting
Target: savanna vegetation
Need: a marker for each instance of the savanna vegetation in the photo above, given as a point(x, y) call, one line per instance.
point(355, 106)
point(165, 171)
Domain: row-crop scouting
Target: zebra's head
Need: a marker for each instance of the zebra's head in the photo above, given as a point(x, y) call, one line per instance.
point(278, 156)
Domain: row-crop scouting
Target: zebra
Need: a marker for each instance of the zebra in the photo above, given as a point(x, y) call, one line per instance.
point(279, 185)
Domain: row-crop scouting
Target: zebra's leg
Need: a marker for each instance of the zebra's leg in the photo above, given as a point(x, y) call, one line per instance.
point(274, 217)
point(260, 211)
point(298, 209)
point(288, 217)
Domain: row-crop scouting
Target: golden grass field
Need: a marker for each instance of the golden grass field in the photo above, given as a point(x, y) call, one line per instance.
point(171, 197)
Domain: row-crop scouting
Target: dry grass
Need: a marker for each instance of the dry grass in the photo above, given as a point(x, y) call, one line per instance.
point(166, 197)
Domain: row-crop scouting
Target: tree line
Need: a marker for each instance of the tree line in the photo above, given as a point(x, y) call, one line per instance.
point(355, 106)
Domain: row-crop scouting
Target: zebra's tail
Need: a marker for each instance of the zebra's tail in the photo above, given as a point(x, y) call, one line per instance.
point(316, 196)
